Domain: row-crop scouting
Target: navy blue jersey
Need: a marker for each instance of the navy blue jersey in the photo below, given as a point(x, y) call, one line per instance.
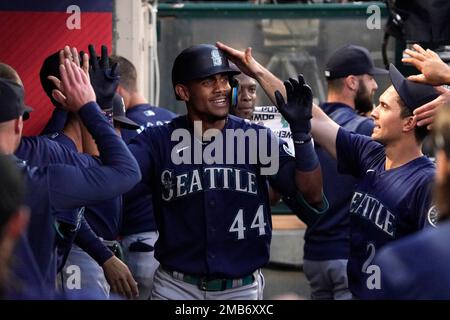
point(386, 205)
point(146, 116)
point(417, 266)
point(213, 219)
point(329, 237)
point(61, 187)
point(137, 203)
point(104, 217)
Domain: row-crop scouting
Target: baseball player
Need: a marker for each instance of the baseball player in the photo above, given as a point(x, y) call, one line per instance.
point(416, 267)
point(13, 218)
point(351, 86)
point(138, 231)
point(61, 187)
point(213, 216)
point(104, 218)
point(393, 196)
point(246, 97)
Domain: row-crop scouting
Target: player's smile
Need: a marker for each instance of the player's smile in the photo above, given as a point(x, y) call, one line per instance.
point(219, 102)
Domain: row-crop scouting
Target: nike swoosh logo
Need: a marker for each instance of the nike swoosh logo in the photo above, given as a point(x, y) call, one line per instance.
point(370, 170)
point(181, 149)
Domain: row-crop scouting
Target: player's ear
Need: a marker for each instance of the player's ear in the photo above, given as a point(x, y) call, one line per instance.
point(182, 92)
point(409, 123)
point(351, 82)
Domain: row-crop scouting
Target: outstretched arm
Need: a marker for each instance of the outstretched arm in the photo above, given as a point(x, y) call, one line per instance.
point(247, 64)
point(324, 130)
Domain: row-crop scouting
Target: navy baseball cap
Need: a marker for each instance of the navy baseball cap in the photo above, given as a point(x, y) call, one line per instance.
point(11, 101)
point(200, 61)
point(351, 60)
point(119, 113)
point(413, 94)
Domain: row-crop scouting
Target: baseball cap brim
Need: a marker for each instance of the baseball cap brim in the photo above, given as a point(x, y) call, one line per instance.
point(126, 122)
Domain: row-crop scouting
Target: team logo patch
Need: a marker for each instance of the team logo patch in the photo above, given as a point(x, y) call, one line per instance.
point(216, 58)
point(433, 215)
point(149, 113)
point(167, 183)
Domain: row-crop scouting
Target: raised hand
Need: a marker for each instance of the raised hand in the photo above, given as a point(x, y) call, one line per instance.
point(104, 78)
point(298, 109)
point(426, 113)
point(434, 71)
point(74, 89)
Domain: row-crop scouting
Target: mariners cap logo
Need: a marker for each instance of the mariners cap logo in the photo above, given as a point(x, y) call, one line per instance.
point(327, 73)
point(216, 58)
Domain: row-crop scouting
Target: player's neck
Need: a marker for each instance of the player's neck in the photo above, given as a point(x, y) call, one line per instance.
point(206, 123)
point(134, 100)
point(73, 131)
point(335, 97)
point(402, 152)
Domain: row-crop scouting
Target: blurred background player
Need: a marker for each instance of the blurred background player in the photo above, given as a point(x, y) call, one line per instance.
point(13, 218)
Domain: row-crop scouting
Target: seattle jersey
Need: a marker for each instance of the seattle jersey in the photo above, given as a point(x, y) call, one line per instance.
point(213, 219)
point(61, 187)
point(104, 217)
point(329, 237)
point(137, 203)
point(386, 205)
point(416, 267)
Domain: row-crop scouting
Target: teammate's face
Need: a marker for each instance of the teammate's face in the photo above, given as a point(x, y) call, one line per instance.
point(367, 86)
point(388, 122)
point(209, 98)
point(246, 97)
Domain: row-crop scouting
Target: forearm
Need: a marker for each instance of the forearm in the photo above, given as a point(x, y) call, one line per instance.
point(309, 184)
point(87, 240)
point(324, 130)
point(112, 150)
point(269, 82)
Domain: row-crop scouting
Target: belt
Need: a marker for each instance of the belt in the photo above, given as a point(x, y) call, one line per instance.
point(206, 283)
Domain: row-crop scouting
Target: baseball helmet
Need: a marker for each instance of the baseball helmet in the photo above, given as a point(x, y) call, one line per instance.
point(199, 61)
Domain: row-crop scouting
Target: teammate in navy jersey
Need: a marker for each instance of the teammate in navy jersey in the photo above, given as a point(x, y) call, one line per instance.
point(138, 231)
point(416, 267)
point(40, 151)
point(61, 187)
point(213, 217)
point(96, 265)
point(351, 87)
point(393, 196)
